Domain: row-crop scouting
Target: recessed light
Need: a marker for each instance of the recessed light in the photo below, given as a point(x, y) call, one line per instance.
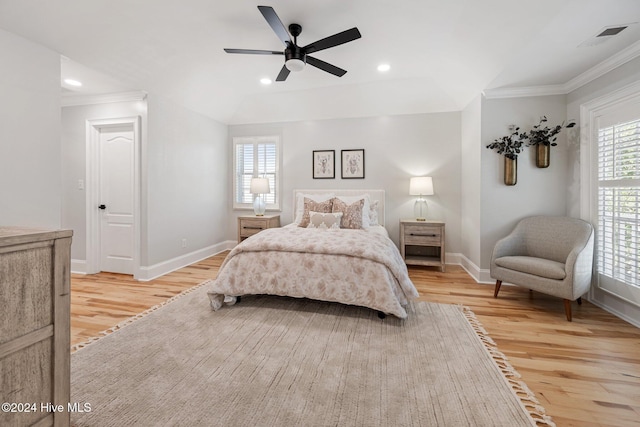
point(72, 82)
point(384, 67)
point(265, 81)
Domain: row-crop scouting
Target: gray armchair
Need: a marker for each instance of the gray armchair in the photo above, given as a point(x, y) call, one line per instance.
point(548, 254)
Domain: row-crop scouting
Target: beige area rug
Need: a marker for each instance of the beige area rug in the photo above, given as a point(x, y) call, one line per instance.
point(273, 361)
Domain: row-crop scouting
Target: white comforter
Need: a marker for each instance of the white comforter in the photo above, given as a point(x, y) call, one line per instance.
point(356, 267)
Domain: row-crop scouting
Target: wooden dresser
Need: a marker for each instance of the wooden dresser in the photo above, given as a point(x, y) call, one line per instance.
point(35, 329)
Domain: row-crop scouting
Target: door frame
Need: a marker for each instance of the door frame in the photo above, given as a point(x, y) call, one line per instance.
point(94, 128)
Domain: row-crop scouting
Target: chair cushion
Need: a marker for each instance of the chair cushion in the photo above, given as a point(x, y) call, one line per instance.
point(532, 265)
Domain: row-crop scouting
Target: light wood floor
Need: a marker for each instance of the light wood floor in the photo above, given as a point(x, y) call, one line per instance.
point(585, 372)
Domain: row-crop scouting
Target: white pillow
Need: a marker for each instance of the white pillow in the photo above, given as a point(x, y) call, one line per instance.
point(373, 213)
point(325, 221)
point(300, 203)
point(366, 222)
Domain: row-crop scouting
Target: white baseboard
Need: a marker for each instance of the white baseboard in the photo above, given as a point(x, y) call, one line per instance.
point(78, 266)
point(479, 275)
point(157, 270)
point(612, 310)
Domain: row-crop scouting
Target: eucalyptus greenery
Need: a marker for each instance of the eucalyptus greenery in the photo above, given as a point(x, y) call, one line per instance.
point(511, 145)
point(546, 135)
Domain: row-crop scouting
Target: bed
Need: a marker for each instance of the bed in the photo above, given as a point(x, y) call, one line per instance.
point(336, 250)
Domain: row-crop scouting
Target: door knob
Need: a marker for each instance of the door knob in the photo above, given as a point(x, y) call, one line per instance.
point(103, 207)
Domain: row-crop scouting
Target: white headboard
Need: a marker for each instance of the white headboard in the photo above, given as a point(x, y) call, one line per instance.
point(373, 196)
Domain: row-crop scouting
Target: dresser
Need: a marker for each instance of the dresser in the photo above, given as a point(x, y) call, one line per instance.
point(35, 284)
point(422, 242)
point(250, 225)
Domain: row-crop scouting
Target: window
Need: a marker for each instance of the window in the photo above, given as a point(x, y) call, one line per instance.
point(256, 157)
point(610, 195)
point(618, 248)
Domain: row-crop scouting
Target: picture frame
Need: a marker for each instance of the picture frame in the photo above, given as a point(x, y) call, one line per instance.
point(352, 164)
point(324, 164)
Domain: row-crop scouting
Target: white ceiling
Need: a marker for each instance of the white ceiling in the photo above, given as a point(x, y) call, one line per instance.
point(442, 53)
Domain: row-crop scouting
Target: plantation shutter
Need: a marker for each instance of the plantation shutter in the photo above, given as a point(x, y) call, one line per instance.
point(618, 240)
point(256, 157)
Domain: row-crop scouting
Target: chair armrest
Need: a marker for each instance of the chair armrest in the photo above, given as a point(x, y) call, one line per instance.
point(511, 244)
point(579, 267)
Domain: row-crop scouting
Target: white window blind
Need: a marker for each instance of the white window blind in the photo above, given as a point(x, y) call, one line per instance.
point(256, 157)
point(618, 247)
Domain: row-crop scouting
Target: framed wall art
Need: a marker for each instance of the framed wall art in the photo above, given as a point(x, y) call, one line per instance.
point(324, 164)
point(352, 164)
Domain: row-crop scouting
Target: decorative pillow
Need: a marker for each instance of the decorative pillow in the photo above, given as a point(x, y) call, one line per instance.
point(349, 200)
point(300, 203)
point(313, 206)
point(373, 213)
point(326, 221)
point(351, 214)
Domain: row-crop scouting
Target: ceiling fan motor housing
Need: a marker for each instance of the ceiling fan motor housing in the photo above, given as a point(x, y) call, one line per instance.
point(295, 57)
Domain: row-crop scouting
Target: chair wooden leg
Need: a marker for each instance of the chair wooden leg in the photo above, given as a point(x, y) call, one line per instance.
point(495, 292)
point(579, 300)
point(567, 309)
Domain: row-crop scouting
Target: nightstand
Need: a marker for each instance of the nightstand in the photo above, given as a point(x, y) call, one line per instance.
point(250, 225)
point(422, 242)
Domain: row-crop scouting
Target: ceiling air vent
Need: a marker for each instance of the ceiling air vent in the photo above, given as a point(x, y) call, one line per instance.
point(611, 31)
point(604, 35)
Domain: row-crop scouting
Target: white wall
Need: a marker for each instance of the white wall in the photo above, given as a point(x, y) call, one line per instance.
point(74, 168)
point(187, 182)
point(538, 191)
point(396, 148)
point(471, 135)
point(29, 134)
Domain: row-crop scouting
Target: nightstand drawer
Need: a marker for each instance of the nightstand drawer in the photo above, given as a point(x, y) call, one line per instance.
point(249, 227)
point(422, 235)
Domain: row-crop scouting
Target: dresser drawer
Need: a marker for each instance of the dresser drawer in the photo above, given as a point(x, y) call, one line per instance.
point(422, 235)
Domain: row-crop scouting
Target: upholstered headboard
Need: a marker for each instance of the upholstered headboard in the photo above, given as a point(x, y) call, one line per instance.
point(373, 196)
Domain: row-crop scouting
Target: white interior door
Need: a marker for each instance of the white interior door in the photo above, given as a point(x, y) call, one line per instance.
point(116, 199)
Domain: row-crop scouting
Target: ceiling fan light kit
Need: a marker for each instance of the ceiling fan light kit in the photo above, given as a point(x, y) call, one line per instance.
point(296, 57)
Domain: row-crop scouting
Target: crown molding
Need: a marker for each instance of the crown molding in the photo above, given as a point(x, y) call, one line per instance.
point(609, 64)
point(74, 100)
point(519, 92)
point(625, 55)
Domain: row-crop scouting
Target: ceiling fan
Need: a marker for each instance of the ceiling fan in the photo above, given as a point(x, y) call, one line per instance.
point(295, 56)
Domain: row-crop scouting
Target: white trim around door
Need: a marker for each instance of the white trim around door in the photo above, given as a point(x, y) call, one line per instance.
point(93, 129)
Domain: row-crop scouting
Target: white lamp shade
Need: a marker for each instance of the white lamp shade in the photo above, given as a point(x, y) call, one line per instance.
point(260, 186)
point(421, 186)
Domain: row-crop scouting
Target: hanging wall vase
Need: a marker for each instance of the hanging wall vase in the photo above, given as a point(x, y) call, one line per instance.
point(510, 170)
point(543, 153)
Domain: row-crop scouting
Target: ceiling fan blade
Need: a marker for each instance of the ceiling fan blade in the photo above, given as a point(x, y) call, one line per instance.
point(254, 52)
point(334, 40)
point(283, 74)
point(325, 66)
point(275, 23)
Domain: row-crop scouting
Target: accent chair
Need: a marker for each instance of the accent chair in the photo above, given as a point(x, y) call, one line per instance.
point(548, 254)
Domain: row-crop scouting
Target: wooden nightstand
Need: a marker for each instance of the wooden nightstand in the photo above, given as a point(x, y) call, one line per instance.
point(250, 225)
point(422, 242)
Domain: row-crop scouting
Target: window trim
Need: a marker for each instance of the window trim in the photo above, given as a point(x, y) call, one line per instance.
point(241, 140)
point(589, 114)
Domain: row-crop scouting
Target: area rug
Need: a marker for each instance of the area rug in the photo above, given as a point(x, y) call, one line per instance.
point(276, 361)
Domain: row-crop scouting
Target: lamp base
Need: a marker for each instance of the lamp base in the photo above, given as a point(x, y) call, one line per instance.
point(259, 206)
point(420, 210)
